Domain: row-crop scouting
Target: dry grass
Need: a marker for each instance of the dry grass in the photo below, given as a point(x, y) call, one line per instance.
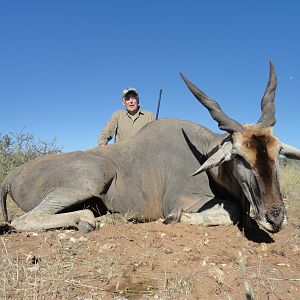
point(290, 180)
point(54, 274)
point(143, 261)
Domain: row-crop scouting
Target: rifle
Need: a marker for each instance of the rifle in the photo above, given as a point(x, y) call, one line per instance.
point(158, 104)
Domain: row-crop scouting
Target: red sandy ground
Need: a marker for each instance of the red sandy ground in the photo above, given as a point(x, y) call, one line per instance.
point(152, 261)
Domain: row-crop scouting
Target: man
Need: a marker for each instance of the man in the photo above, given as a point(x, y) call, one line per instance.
point(124, 124)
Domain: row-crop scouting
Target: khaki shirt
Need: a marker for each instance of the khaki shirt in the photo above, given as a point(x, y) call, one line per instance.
point(124, 126)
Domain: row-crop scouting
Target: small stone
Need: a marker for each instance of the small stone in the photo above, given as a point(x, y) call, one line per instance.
point(73, 240)
point(205, 241)
point(168, 250)
point(62, 236)
point(82, 239)
point(216, 273)
point(187, 249)
point(263, 247)
point(31, 233)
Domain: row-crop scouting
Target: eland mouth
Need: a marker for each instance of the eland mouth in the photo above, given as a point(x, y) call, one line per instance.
point(273, 221)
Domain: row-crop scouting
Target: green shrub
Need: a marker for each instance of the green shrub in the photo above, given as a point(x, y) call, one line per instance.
point(16, 149)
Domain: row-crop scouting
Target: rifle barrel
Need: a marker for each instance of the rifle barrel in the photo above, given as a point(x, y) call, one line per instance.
point(158, 104)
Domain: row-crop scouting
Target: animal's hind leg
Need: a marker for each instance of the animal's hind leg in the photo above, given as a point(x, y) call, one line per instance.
point(44, 216)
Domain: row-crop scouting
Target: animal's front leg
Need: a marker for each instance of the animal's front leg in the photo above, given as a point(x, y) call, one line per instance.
point(220, 212)
point(175, 204)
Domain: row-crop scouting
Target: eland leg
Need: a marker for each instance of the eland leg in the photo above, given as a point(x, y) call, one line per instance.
point(44, 216)
point(206, 212)
point(220, 213)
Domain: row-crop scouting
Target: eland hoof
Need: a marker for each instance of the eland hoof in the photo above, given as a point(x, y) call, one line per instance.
point(85, 227)
point(173, 217)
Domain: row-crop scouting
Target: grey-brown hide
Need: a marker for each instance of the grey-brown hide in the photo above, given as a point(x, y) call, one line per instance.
point(141, 177)
point(75, 171)
point(149, 176)
point(153, 170)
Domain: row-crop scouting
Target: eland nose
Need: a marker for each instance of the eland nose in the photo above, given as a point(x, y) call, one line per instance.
point(275, 216)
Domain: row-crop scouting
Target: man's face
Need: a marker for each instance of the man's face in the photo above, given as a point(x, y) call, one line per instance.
point(131, 102)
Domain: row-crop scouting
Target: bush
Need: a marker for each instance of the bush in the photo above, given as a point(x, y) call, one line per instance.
point(17, 149)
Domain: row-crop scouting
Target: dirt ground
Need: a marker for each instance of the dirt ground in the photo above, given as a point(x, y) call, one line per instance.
point(152, 261)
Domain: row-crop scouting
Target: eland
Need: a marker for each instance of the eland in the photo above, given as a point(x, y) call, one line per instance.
point(150, 176)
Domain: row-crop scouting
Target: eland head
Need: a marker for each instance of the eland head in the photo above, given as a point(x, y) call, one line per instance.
point(252, 154)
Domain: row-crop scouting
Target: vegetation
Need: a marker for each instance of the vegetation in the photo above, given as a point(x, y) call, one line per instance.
point(289, 177)
point(16, 149)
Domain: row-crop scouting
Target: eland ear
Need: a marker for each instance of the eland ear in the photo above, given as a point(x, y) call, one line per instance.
point(222, 155)
point(289, 151)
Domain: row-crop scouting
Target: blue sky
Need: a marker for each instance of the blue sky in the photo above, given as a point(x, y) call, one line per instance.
point(64, 63)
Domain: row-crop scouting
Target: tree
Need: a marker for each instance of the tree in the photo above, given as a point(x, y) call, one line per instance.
point(17, 149)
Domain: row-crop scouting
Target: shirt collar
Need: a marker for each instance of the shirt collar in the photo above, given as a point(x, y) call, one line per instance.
point(139, 112)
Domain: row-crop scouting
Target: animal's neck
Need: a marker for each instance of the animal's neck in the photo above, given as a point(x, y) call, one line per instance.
point(213, 142)
point(222, 176)
point(208, 142)
point(225, 181)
